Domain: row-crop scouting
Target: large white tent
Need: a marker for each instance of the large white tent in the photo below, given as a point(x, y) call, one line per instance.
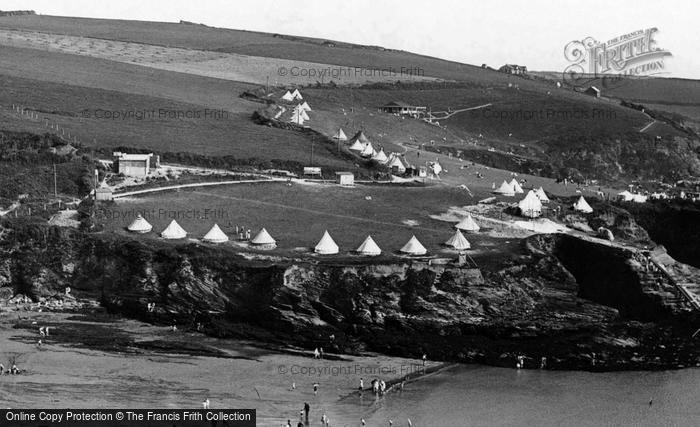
point(288, 96)
point(301, 112)
point(467, 224)
point(357, 146)
point(458, 241)
point(394, 161)
point(530, 206)
point(340, 135)
point(505, 190)
point(414, 247)
point(297, 95)
point(263, 240)
point(516, 186)
point(326, 246)
point(368, 150)
point(380, 157)
point(297, 118)
point(369, 247)
point(139, 225)
point(542, 195)
point(173, 231)
point(582, 205)
point(305, 106)
point(215, 235)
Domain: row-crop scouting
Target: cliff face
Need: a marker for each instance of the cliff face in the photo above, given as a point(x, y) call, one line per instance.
point(561, 298)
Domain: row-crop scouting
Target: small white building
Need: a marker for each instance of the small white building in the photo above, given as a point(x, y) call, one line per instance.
point(132, 164)
point(345, 178)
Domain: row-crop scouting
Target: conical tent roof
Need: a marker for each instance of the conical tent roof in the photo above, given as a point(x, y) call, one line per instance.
point(530, 206)
point(369, 247)
point(414, 247)
point(301, 112)
point(516, 186)
point(297, 118)
point(288, 96)
point(139, 225)
point(368, 150)
point(357, 146)
point(263, 238)
point(215, 235)
point(458, 241)
point(360, 136)
point(326, 246)
point(467, 224)
point(305, 106)
point(395, 161)
point(505, 189)
point(582, 205)
point(380, 157)
point(173, 231)
point(340, 135)
point(297, 95)
point(542, 195)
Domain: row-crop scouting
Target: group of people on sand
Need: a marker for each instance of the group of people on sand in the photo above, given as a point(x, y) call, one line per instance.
point(318, 353)
point(304, 418)
point(14, 370)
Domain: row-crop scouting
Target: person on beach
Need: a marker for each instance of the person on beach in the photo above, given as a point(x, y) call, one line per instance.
point(2, 369)
point(320, 351)
point(391, 423)
point(425, 358)
point(316, 353)
point(205, 404)
point(301, 415)
point(315, 388)
point(362, 421)
point(294, 386)
point(543, 362)
point(14, 370)
point(306, 411)
point(289, 423)
point(300, 424)
point(38, 344)
point(323, 419)
point(362, 384)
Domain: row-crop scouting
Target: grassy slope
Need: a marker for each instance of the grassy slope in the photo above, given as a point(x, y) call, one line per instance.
point(297, 216)
point(65, 87)
point(254, 43)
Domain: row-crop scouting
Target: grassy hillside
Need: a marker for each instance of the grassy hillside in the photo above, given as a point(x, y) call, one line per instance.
point(258, 44)
point(178, 112)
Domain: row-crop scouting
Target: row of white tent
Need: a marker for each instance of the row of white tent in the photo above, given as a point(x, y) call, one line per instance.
point(325, 246)
point(292, 96)
point(531, 205)
point(363, 146)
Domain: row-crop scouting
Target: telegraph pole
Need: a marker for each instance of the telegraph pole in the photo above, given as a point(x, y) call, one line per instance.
point(55, 191)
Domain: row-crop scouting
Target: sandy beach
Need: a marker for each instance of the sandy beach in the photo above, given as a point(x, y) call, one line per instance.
point(94, 360)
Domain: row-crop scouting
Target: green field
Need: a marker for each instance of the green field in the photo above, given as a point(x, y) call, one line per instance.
point(166, 123)
point(259, 44)
point(296, 216)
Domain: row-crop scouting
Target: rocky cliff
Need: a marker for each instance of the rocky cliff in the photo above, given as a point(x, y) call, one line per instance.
point(581, 304)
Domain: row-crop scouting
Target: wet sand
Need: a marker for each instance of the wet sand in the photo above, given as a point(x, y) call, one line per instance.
point(104, 362)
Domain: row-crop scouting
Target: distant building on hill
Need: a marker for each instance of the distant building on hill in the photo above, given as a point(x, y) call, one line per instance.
point(592, 91)
point(133, 164)
point(402, 108)
point(518, 70)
